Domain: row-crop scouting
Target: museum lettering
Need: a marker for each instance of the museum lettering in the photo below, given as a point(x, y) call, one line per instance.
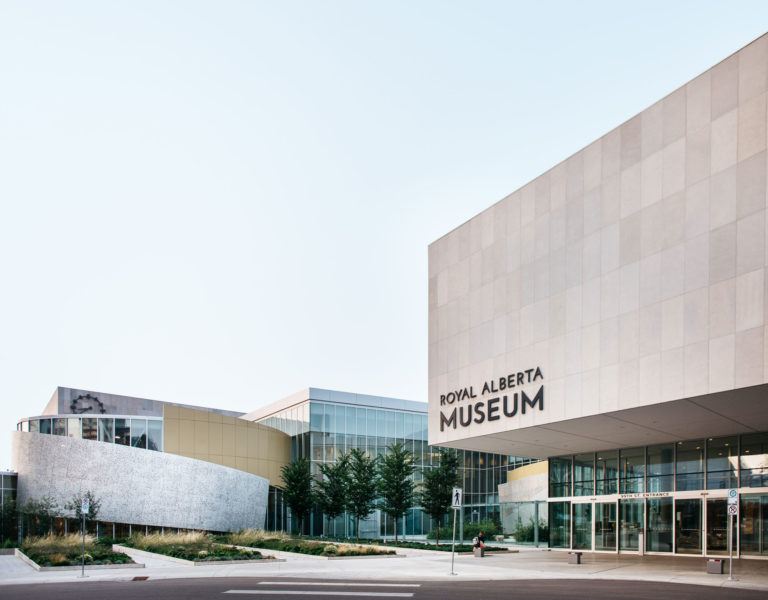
point(493, 409)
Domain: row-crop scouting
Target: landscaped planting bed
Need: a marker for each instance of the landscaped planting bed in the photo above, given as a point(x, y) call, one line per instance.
point(443, 547)
point(66, 551)
point(196, 546)
point(283, 543)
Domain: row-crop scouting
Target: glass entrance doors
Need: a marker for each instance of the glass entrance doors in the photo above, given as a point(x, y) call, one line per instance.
point(582, 526)
point(688, 526)
point(631, 519)
point(670, 525)
point(605, 526)
point(754, 525)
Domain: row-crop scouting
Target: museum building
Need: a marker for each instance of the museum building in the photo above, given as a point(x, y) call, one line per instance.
point(610, 316)
point(158, 465)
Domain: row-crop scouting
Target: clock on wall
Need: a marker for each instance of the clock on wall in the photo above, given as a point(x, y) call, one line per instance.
point(87, 403)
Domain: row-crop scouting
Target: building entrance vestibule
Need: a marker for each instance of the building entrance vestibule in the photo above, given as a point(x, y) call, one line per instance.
point(683, 525)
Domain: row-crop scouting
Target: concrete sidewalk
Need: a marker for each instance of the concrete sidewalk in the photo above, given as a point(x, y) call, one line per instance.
point(423, 566)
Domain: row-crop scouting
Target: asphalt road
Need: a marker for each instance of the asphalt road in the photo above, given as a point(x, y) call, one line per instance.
point(233, 588)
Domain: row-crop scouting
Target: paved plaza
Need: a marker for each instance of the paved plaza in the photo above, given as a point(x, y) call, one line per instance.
point(419, 565)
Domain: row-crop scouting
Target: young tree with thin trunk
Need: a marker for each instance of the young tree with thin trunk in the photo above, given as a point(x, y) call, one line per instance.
point(396, 487)
point(332, 488)
point(362, 486)
point(297, 492)
point(435, 492)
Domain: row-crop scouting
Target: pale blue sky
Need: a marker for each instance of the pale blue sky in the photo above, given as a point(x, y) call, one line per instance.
point(221, 203)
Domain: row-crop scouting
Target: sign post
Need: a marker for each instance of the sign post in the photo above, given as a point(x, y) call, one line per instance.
point(85, 507)
point(733, 511)
point(456, 495)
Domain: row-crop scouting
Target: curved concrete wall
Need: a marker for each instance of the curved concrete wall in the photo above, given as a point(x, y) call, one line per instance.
point(137, 486)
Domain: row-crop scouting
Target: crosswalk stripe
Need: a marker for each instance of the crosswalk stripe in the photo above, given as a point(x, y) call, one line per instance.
point(324, 593)
point(339, 584)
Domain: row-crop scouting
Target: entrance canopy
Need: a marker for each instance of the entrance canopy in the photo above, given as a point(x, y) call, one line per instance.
point(736, 411)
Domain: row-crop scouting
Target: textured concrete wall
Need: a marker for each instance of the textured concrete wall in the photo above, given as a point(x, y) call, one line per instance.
point(527, 483)
point(633, 273)
point(137, 486)
point(228, 441)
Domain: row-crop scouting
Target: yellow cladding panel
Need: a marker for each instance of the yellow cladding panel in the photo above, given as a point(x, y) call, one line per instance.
point(171, 435)
point(528, 470)
point(201, 437)
point(241, 441)
point(228, 439)
point(186, 437)
point(253, 442)
point(215, 443)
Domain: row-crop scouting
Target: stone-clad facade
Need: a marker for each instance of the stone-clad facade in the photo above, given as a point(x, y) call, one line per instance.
point(633, 274)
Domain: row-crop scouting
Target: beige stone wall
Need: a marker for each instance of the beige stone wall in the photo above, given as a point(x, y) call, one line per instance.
point(632, 273)
point(228, 441)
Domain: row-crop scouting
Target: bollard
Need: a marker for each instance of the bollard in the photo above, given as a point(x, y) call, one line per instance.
point(715, 566)
point(574, 558)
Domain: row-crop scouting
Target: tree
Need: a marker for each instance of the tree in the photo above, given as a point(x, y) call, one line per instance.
point(298, 489)
point(435, 492)
point(332, 489)
point(395, 480)
point(8, 519)
point(38, 516)
point(75, 505)
point(362, 486)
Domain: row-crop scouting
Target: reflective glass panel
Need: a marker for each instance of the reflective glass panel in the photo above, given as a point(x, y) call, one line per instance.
point(717, 526)
point(107, 430)
point(60, 427)
point(139, 433)
point(631, 520)
point(607, 472)
point(582, 526)
point(754, 460)
point(45, 425)
point(34, 426)
point(90, 429)
point(123, 432)
point(559, 477)
point(632, 461)
point(661, 468)
point(754, 524)
point(154, 435)
point(583, 474)
point(605, 526)
point(560, 524)
point(690, 466)
point(659, 525)
point(688, 526)
point(722, 458)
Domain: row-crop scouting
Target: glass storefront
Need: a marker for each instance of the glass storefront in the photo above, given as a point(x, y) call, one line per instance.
point(663, 498)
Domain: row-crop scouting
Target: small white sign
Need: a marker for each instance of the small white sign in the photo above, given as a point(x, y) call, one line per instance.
point(733, 496)
point(456, 498)
point(733, 510)
point(85, 506)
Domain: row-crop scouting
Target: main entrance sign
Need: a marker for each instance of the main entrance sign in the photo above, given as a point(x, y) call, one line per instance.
point(492, 409)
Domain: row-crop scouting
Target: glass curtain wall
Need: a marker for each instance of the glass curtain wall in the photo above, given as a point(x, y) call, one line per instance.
point(323, 431)
point(144, 433)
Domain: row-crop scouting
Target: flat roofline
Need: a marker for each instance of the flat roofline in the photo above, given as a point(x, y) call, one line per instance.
point(338, 397)
point(220, 411)
point(557, 164)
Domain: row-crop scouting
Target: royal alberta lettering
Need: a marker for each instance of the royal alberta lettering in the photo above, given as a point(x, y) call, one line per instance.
point(470, 410)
